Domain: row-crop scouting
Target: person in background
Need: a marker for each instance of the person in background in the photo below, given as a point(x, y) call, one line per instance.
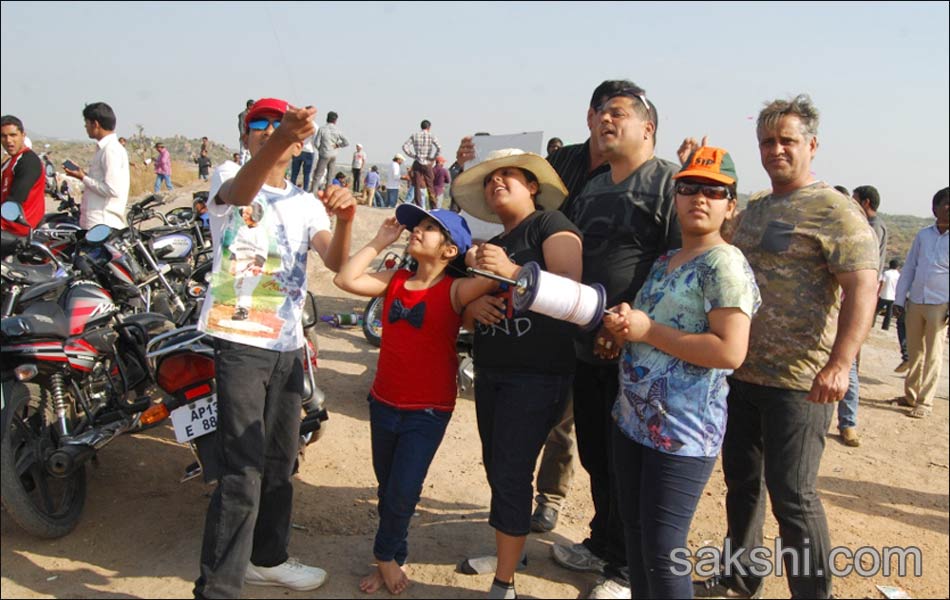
point(888, 293)
point(304, 163)
point(423, 148)
point(327, 143)
point(371, 183)
point(869, 200)
point(105, 191)
point(923, 298)
point(359, 159)
point(440, 179)
point(22, 176)
point(204, 165)
point(554, 144)
point(394, 179)
point(163, 168)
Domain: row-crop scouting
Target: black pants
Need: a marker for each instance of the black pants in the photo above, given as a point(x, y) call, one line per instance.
point(595, 391)
point(657, 495)
point(356, 180)
point(888, 307)
point(778, 433)
point(259, 394)
point(515, 413)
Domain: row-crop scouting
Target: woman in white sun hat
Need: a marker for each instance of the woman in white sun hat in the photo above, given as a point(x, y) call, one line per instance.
point(524, 364)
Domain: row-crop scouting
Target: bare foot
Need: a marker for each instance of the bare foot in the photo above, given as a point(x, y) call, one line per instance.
point(393, 576)
point(372, 582)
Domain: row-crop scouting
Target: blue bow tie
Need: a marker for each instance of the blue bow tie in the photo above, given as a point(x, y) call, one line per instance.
point(414, 315)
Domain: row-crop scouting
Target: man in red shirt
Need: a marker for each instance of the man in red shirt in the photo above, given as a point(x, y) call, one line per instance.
point(21, 176)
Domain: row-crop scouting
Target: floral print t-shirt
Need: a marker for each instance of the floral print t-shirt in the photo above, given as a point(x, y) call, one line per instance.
point(666, 403)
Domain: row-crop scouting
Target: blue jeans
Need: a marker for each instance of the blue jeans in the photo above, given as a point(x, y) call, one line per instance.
point(657, 494)
point(305, 160)
point(848, 406)
point(392, 197)
point(778, 434)
point(515, 413)
point(404, 444)
point(159, 178)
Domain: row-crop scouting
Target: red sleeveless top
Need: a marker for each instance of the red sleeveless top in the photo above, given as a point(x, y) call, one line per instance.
point(418, 365)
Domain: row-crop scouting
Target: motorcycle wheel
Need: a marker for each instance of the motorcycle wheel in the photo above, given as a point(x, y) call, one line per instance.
point(43, 505)
point(373, 321)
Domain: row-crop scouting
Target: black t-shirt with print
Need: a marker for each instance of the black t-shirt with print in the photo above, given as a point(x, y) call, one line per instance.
point(528, 342)
point(626, 227)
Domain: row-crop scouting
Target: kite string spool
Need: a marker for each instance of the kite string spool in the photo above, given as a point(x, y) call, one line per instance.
point(567, 300)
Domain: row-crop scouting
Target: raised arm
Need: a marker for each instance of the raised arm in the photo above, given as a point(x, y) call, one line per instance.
point(353, 276)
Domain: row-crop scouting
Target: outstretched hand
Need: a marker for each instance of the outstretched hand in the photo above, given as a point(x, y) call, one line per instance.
point(297, 124)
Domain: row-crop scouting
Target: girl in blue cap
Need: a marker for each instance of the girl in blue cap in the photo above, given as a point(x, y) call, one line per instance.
point(410, 407)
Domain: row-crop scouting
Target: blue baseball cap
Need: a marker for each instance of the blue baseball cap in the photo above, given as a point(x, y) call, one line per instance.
point(411, 215)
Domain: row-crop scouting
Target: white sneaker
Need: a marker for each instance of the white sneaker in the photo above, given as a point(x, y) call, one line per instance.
point(609, 588)
point(291, 574)
point(577, 557)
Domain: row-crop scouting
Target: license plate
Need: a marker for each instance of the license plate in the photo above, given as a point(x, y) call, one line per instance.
point(195, 419)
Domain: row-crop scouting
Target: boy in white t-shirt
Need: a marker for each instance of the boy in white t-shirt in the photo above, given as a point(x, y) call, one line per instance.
point(258, 342)
point(888, 292)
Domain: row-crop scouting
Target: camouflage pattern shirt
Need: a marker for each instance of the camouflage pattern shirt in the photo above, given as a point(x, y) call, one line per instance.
point(796, 243)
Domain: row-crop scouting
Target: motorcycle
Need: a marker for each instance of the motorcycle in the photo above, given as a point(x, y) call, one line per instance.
point(183, 362)
point(75, 377)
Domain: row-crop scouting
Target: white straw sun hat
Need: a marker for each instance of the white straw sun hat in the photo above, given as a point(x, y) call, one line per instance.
point(468, 189)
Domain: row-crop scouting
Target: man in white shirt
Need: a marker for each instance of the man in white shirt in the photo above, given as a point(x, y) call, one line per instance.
point(394, 180)
point(106, 186)
point(888, 291)
point(926, 278)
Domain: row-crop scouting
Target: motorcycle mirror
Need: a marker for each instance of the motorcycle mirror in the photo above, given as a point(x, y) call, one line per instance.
point(309, 317)
point(13, 212)
point(98, 234)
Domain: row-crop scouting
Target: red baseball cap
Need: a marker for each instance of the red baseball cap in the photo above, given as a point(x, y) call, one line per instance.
point(265, 106)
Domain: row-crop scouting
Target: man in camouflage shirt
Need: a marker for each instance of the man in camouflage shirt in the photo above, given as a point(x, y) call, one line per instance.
point(806, 244)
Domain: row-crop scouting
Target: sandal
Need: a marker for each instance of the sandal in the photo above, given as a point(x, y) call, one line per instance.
point(918, 412)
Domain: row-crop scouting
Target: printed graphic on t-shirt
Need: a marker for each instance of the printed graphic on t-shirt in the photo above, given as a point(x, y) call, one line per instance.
point(253, 291)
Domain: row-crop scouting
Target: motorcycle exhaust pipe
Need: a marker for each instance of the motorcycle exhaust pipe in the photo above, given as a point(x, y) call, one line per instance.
point(64, 461)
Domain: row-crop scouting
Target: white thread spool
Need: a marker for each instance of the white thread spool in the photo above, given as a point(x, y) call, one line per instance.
point(559, 297)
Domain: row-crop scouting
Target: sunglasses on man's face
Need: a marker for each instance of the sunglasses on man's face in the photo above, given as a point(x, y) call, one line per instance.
point(713, 192)
point(262, 124)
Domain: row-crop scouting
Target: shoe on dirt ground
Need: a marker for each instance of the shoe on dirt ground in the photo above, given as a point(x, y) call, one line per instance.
point(849, 437)
point(544, 519)
point(609, 587)
point(901, 368)
point(716, 587)
point(577, 557)
point(290, 574)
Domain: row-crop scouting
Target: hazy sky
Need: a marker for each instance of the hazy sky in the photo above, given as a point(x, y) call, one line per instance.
point(878, 73)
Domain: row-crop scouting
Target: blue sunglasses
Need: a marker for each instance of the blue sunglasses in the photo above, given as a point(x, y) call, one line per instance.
point(262, 124)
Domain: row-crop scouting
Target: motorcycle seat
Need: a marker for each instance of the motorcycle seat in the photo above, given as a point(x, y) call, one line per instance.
point(38, 320)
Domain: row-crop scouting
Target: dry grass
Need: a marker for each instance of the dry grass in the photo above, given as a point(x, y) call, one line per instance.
point(142, 177)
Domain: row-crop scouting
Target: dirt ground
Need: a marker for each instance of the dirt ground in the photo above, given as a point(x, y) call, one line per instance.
point(141, 530)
